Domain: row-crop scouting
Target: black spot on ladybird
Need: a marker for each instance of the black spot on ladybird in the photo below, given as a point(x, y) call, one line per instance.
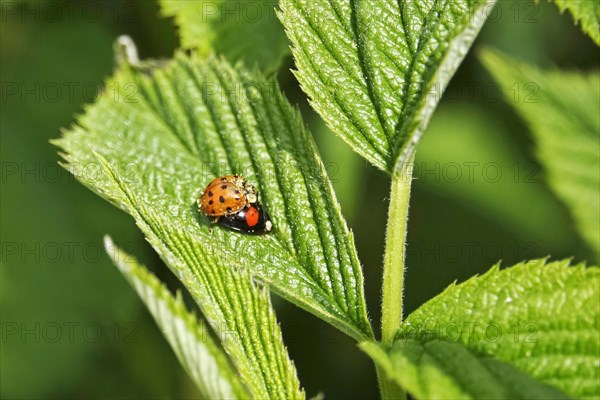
point(236, 191)
point(210, 194)
point(224, 187)
point(222, 199)
point(210, 202)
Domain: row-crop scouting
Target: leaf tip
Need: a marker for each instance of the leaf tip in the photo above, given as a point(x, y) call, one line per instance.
point(109, 244)
point(125, 51)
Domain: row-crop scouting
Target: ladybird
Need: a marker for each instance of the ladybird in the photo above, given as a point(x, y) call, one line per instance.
point(250, 219)
point(227, 195)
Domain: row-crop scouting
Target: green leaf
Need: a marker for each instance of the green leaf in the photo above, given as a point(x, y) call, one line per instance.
point(238, 310)
point(201, 357)
point(238, 29)
point(446, 370)
point(562, 110)
point(197, 119)
point(542, 318)
point(134, 147)
point(375, 69)
point(584, 12)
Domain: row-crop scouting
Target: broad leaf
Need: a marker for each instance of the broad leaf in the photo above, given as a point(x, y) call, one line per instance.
point(194, 120)
point(125, 151)
point(542, 318)
point(447, 370)
point(562, 111)
point(238, 29)
point(197, 352)
point(375, 69)
point(584, 12)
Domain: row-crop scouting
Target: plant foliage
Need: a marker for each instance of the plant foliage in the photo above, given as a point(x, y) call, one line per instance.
point(562, 110)
point(376, 69)
point(542, 318)
point(237, 29)
point(198, 353)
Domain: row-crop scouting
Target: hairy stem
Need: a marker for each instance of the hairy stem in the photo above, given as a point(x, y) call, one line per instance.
point(393, 267)
point(389, 390)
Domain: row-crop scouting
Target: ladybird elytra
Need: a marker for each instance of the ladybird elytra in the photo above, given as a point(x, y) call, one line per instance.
point(227, 195)
point(251, 219)
point(232, 202)
point(252, 216)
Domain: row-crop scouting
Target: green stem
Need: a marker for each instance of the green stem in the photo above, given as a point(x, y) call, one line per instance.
point(393, 270)
point(393, 264)
point(389, 390)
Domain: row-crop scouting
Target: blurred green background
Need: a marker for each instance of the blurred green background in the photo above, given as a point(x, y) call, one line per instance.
point(72, 328)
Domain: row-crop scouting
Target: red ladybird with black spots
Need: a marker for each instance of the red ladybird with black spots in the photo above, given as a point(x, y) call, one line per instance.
point(232, 202)
point(227, 195)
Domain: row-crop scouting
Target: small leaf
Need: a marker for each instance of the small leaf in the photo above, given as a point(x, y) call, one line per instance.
point(375, 69)
point(194, 120)
point(542, 318)
point(238, 29)
point(446, 370)
point(562, 111)
point(201, 357)
point(584, 12)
